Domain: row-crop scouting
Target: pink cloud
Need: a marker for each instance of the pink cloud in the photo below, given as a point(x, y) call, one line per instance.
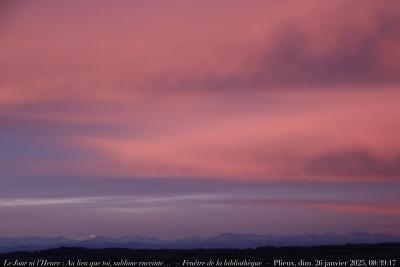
point(250, 92)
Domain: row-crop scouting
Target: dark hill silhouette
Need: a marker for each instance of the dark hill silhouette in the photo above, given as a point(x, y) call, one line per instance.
point(226, 240)
point(387, 254)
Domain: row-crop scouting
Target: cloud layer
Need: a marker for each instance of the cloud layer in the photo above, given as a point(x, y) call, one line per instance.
point(200, 93)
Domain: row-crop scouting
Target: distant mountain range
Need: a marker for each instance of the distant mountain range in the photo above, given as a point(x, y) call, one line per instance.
point(226, 240)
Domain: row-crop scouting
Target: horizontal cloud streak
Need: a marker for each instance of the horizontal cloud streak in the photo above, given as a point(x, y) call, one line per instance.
point(10, 202)
point(137, 211)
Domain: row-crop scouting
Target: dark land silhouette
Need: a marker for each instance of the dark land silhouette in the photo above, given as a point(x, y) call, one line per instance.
point(363, 255)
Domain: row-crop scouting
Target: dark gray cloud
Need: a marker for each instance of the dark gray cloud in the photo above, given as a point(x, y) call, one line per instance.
point(357, 55)
point(356, 164)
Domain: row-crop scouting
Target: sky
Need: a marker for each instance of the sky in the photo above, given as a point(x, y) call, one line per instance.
point(178, 118)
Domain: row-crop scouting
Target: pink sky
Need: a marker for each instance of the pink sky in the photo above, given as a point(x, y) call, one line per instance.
point(267, 92)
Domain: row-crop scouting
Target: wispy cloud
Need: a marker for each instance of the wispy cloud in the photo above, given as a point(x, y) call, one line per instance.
point(109, 200)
